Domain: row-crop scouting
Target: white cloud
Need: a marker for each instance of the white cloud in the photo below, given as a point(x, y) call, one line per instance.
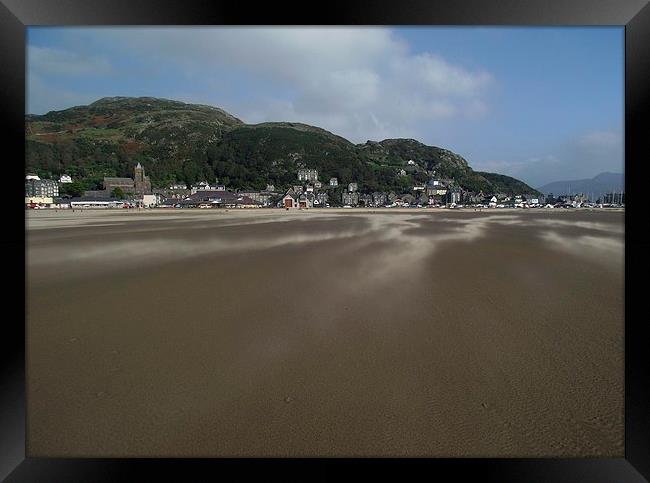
point(361, 83)
point(378, 91)
point(436, 76)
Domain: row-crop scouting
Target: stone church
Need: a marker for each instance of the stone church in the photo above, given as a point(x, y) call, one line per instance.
point(140, 185)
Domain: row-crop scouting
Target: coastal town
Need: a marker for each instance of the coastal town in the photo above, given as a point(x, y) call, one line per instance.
point(308, 192)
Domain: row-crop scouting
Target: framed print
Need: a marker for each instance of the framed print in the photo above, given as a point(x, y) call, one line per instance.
point(355, 240)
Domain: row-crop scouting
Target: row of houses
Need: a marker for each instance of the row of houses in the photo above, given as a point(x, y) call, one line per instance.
point(297, 198)
point(213, 199)
point(438, 193)
point(314, 194)
point(300, 198)
point(309, 193)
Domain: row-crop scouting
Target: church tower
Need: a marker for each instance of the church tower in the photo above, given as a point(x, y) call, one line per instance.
point(142, 182)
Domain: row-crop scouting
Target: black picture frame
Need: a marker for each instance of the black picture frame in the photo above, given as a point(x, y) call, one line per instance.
point(15, 15)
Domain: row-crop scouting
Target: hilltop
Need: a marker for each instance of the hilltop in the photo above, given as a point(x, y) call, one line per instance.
point(179, 142)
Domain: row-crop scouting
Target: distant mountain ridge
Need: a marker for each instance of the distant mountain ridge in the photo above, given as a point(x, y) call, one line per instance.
point(596, 187)
point(179, 142)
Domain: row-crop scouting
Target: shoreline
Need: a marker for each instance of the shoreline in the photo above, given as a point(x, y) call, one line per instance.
point(326, 210)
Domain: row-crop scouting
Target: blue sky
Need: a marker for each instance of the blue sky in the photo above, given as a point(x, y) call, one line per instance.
point(541, 104)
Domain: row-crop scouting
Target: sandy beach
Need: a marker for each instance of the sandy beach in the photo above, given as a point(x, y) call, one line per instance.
point(437, 333)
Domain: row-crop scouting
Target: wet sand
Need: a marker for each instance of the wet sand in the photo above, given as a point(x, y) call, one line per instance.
point(325, 333)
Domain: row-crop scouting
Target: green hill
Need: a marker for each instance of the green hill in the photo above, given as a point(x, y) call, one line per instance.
point(179, 142)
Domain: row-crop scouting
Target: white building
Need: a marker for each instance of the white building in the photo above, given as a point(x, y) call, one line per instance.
point(205, 186)
point(32, 176)
point(411, 162)
point(149, 201)
point(334, 182)
point(93, 203)
point(65, 178)
point(41, 187)
point(307, 174)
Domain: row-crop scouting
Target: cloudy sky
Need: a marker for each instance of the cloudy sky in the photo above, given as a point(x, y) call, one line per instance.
point(540, 104)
